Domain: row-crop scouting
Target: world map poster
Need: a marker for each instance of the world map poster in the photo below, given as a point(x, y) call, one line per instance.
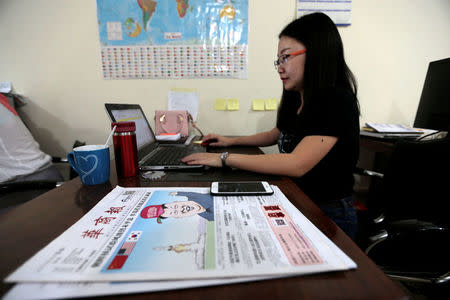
point(173, 39)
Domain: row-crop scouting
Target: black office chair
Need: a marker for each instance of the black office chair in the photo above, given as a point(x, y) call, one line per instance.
point(411, 241)
point(30, 186)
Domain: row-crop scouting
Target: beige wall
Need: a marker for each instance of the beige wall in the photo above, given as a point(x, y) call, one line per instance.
point(50, 52)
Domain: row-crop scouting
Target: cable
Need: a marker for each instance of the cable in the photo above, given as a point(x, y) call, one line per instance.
point(427, 135)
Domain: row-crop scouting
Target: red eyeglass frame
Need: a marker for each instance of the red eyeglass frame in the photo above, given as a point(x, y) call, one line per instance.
point(295, 53)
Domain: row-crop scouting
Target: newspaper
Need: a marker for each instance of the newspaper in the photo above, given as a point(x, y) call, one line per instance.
point(34, 291)
point(162, 234)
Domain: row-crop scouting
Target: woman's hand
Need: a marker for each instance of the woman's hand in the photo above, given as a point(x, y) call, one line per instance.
point(217, 140)
point(207, 159)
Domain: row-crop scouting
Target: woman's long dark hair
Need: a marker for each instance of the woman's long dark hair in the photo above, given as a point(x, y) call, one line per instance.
point(325, 65)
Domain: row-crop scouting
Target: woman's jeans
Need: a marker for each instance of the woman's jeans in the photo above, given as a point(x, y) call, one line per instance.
point(343, 214)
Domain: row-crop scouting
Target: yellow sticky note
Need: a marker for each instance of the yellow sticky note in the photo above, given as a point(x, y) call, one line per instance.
point(220, 104)
point(271, 104)
point(233, 104)
point(258, 104)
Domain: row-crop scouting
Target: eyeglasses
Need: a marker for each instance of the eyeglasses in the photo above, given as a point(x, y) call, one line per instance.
point(285, 57)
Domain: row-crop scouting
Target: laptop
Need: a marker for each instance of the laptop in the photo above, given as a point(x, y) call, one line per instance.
point(151, 154)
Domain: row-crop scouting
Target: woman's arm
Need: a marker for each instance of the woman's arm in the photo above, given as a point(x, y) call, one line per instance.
point(305, 156)
point(262, 139)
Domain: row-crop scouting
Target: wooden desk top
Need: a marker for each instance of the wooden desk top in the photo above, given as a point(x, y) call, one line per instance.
point(27, 228)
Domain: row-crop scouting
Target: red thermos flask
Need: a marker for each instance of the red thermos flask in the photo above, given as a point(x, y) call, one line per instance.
point(125, 149)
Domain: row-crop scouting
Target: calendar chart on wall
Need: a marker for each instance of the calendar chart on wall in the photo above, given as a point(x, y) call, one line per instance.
point(173, 39)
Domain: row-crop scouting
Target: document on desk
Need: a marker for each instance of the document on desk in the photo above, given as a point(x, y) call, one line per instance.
point(394, 128)
point(168, 234)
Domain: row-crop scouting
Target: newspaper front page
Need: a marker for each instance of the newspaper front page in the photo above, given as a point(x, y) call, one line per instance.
point(184, 233)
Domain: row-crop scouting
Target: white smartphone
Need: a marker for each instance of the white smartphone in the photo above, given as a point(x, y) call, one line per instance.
point(241, 188)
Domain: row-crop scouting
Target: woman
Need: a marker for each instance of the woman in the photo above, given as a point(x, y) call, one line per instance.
point(317, 127)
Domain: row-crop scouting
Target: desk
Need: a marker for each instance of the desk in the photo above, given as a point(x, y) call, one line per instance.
point(374, 155)
point(26, 229)
point(376, 144)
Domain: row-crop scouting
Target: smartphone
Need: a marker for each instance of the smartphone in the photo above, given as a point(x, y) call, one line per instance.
point(241, 188)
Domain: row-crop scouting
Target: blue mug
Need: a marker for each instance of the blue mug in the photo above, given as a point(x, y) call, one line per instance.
point(91, 162)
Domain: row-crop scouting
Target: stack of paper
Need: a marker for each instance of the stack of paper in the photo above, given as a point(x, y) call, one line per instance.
point(168, 137)
point(383, 130)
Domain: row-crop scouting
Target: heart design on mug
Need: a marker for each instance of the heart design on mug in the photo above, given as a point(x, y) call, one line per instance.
point(86, 158)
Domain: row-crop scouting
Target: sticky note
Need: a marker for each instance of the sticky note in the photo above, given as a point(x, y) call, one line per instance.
point(220, 104)
point(233, 104)
point(271, 104)
point(258, 104)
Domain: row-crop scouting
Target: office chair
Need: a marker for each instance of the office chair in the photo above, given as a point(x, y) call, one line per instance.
point(19, 147)
point(30, 186)
point(412, 224)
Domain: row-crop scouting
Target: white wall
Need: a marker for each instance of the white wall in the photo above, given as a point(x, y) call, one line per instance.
point(50, 52)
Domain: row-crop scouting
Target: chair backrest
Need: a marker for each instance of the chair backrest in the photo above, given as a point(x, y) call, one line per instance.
point(416, 182)
point(20, 153)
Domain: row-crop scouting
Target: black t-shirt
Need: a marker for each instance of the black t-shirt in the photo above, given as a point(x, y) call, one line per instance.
point(332, 112)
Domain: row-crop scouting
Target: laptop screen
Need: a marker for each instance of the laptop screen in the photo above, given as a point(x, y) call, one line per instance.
point(144, 135)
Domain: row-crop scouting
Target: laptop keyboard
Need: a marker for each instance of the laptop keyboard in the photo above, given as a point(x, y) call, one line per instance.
point(168, 156)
